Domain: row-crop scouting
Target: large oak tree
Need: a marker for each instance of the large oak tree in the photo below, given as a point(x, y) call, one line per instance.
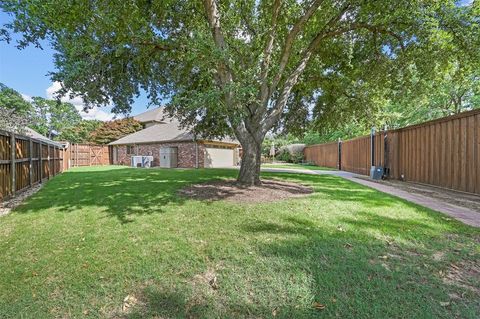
point(239, 67)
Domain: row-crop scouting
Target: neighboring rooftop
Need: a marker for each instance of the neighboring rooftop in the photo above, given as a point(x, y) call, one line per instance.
point(163, 129)
point(154, 115)
point(160, 132)
point(34, 134)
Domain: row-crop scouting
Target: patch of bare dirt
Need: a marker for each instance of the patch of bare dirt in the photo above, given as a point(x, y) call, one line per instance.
point(462, 274)
point(130, 302)
point(7, 206)
point(229, 190)
point(208, 278)
point(457, 198)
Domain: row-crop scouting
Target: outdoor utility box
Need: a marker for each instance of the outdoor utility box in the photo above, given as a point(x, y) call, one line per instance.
point(136, 161)
point(142, 161)
point(376, 172)
point(168, 157)
point(147, 161)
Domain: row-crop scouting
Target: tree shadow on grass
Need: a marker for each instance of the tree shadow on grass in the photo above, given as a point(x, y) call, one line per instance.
point(360, 276)
point(339, 189)
point(348, 273)
point(120, 192)
point(126, 192)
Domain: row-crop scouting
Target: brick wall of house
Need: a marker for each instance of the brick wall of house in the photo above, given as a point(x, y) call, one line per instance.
point(186, 153)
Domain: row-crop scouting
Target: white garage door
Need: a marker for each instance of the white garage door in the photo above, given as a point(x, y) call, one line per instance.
point(218, 157)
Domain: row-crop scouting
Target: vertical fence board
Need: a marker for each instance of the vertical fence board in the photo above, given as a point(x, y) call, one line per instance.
point(470, 155)
point(477, 153)
point(447, 156)
point(431, 151)
point(441, 172)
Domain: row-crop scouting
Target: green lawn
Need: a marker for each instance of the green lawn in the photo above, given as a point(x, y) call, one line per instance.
point(296, 166)
point(93, 236)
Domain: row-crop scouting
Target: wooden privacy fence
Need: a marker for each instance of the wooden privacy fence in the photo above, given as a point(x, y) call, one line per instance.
point(26, 161)
point(326, 155)
point(443, 152)
point(357, 153)
point(87, 155)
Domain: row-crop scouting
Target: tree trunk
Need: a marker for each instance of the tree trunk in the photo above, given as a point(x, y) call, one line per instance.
point(250, 167)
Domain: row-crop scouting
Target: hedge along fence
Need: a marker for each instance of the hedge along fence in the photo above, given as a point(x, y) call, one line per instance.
point(26, 161)
point(443, 152)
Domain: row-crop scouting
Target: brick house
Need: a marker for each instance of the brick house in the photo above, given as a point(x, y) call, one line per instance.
point(162, 133)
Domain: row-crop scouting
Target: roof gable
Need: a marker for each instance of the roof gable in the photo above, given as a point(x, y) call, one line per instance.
point(154, 115)
point(161, 132)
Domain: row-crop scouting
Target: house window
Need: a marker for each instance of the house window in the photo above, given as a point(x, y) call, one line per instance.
point(130, 150)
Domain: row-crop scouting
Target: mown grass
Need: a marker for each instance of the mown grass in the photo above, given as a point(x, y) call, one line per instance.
point(296, 166)
point(93, 236)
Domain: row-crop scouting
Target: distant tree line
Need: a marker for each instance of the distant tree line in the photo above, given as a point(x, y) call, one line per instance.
point(58, 120)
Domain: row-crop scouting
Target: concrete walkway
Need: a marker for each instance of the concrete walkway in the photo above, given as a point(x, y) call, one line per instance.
point(463, 214)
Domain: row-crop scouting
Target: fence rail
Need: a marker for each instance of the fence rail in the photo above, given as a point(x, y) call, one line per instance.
point(443, 152)
point(26, 161)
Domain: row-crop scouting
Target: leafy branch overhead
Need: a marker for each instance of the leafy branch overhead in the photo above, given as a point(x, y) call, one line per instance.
point(245, 68)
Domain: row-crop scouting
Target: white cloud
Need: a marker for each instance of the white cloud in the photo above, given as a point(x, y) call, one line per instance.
point(95, 113)
point(26, 97)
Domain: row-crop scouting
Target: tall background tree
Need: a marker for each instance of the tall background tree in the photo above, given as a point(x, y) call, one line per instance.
point(52, 117)
point(246, 67)
point(15, 112)
point(80, 133)
point(11, 99)
point(55, 119)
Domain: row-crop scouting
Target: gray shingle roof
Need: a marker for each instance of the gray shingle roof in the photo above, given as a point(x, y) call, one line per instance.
point(153, 115)
point(166, 129)
point(160, 132)
point(34, 134)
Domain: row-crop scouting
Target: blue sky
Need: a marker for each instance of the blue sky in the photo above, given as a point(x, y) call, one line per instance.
point(26, 71)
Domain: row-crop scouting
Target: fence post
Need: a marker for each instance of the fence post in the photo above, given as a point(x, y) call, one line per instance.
point(53, 160)
point(48, 161)
point(372, 146)
point(386, 154)
point(30, 164)
point(339, 154)
point(12, 159)
point(40, 160)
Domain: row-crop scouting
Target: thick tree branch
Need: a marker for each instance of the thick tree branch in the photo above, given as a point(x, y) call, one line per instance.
point(287, 47)
point(224, 72)
point(155, 45)
point(277, 110)
point(267, 53)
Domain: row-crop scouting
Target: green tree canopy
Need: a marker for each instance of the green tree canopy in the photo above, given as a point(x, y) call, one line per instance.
point(113, 130)
point(79, 133)
point(245, 67)
point(11, 99)
point(52, 117)
point(15, 112)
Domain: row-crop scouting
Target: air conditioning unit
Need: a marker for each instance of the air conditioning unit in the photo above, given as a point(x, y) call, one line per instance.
point(147, 161)
point(136, 161)
point(142, 161)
